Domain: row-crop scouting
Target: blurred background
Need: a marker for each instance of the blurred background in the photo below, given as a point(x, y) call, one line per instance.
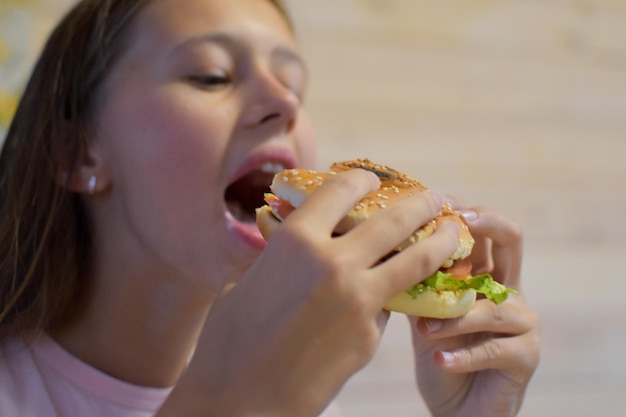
point(519, 105)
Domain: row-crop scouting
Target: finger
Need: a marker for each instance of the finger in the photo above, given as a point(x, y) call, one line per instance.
point(327, 205)
point(506, 240)
point(481, 259)
point(519, 352)
point(512, 317)
point(490, 223)
point(417, 262)
point(389, 227)
point(456, 202)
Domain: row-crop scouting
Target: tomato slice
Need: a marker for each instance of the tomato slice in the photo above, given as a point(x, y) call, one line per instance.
point(281, 207)
point(460, 269)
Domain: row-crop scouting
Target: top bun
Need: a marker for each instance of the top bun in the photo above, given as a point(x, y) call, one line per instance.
point(295, 185)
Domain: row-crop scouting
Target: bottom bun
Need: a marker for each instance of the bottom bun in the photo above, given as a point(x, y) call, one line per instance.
point(433, 304)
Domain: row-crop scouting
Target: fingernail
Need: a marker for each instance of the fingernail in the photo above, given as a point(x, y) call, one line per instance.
point(469, 215)
point(433, 325)
point(438, 198)
point(448, 357)
point(450, 223)
point(374, 177)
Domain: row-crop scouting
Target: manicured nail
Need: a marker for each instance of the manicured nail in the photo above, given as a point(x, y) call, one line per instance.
point(469, 215)
point(438, 198)
point(374, 177)
point(448, 357)
point(433, 325)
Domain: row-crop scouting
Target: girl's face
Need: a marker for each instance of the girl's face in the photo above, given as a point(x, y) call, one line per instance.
point(201, 109)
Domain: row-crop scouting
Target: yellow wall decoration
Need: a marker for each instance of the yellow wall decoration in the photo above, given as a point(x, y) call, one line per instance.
point(14, 28)
point(24, 26)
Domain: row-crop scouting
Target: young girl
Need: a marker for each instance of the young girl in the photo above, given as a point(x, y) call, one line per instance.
point(133, 280)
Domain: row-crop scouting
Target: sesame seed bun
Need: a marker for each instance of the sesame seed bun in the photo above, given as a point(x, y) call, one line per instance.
point(295, 185)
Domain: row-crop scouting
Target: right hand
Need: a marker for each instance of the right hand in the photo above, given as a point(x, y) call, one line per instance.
point(308, 314)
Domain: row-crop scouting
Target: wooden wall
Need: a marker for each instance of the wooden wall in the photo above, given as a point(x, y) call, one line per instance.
point(515, 104)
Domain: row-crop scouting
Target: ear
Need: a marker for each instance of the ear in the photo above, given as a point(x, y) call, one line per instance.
point(90, 175)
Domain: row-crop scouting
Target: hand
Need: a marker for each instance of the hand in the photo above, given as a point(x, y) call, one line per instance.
point(308, 314)
point(480, 364)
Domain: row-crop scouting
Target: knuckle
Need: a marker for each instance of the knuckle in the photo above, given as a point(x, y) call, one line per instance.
point(513, 230)
point(399, 219)
point(496, 314)
point(532, 355)
point(291, 234)
point(490, 351)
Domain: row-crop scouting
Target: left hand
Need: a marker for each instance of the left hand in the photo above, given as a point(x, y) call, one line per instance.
point(480, 364)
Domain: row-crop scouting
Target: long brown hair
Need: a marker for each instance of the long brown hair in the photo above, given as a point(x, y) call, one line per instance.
point(44, 231)
point(44, 235)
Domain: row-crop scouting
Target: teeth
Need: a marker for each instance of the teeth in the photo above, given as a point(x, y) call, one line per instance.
point(272, 167)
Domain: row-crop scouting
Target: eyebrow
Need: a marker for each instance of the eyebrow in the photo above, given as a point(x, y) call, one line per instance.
point(217, 37)
point(281, 53)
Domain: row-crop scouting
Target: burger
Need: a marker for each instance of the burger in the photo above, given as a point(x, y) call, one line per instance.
point(450, 292)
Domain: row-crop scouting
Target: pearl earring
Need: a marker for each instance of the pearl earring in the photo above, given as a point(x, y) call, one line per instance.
point(91, 186)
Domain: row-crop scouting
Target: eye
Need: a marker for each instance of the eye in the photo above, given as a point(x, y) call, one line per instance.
point(211, 81)
point(298, 90)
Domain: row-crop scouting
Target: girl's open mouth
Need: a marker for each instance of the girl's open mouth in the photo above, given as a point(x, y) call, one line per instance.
point(246, 194)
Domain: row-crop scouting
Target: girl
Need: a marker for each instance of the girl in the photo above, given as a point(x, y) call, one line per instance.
point(133, 281)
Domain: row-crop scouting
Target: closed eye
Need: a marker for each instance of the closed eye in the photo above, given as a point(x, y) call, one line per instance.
point(211, 81)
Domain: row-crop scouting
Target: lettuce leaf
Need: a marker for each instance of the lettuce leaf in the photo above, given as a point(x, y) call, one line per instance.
point(482, 284)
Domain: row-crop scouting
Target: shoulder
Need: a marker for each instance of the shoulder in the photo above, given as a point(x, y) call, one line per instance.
point(39, 377)
point(21, 386)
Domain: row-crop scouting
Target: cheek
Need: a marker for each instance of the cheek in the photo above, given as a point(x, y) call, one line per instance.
point(169, 141)
point(165, 158)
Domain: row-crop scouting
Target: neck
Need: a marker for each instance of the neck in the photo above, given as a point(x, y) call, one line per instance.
point(138, 336)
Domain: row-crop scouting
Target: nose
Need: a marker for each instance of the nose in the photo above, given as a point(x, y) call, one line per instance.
point(271, 102)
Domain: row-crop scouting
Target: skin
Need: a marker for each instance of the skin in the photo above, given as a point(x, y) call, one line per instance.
point(171, 135)
point(167, 146)
point(487, 356)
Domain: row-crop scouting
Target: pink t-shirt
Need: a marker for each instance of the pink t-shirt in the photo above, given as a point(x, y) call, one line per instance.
point(40, 378)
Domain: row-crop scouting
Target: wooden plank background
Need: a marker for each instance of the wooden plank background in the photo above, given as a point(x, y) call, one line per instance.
point(515, 104)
